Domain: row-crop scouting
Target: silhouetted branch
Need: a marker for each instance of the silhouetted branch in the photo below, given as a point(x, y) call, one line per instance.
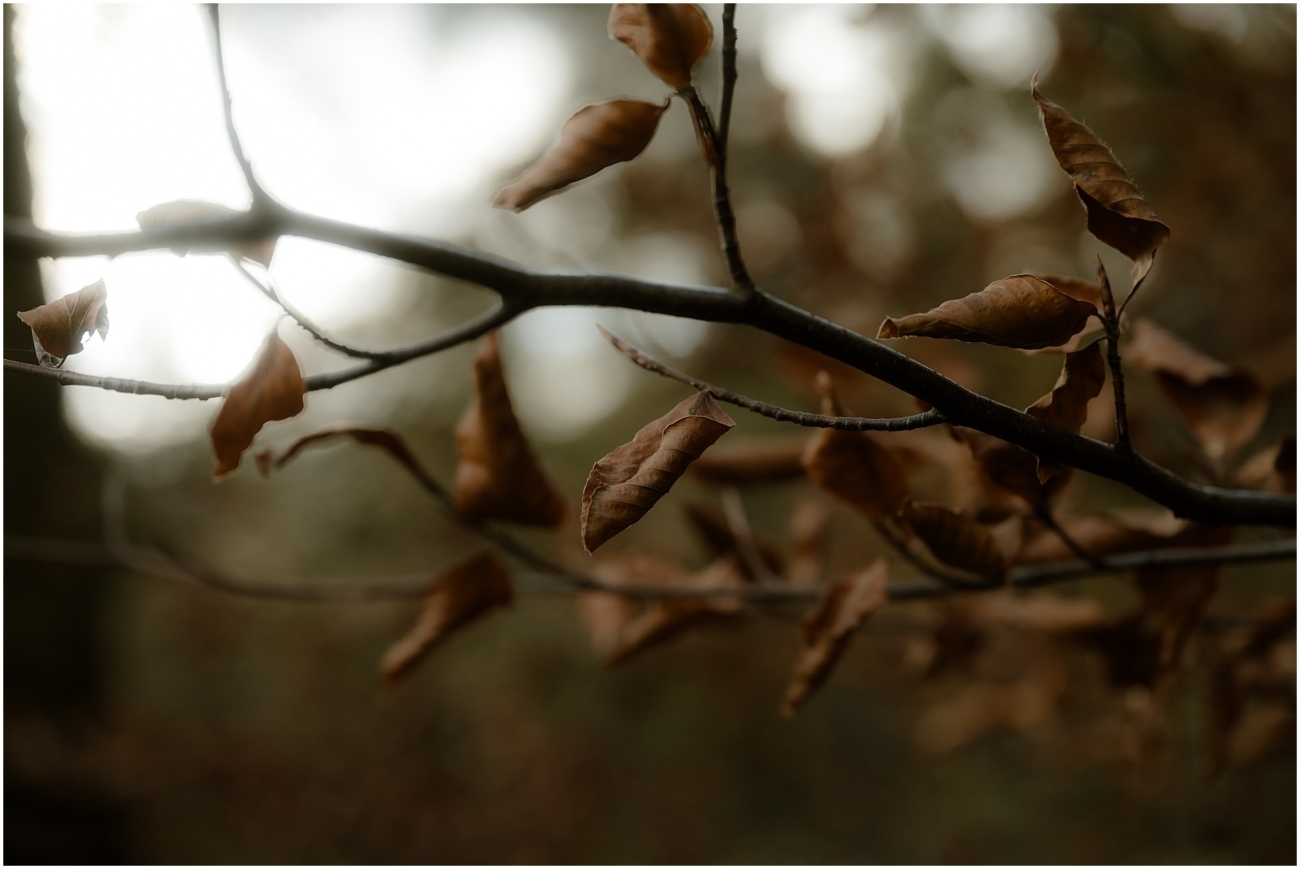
point(298, 317)
point(260, 196)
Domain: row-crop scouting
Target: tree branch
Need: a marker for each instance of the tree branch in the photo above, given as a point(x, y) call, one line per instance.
point(524, 289)
point(260, 196)
point(728, 76)
point(811, 420)
point(722, 210)
point(298, 317)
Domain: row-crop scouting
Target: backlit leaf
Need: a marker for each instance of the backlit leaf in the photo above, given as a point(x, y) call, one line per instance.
point(1066, 406)
point(669, 38)
point(271, 389)
point(498, 476)
point(625, 484)
point(956, 540)
point(1117, 213)
point(843, 606)
point(1223, 406)
point(595, 137)
point(1021, 311)
point(462, 593)
point(59, 327)
point(187, 211)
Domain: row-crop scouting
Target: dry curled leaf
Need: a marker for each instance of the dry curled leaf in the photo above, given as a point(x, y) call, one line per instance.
point(625, 484)
point(1223, 406)
point(1010, 468)
point(1117, 213)
point(271, 389)
point(1066, 406)
point(957, 541)
point(58, 328)
point(498, 476)
point(461, 593)
point(1084, 291)
point(669, 38)
point(184, 212)
point(1020, 311)
point(595, 137)
point(843, 606)
point(762, 462)
point(389, 441)
point(854, 466)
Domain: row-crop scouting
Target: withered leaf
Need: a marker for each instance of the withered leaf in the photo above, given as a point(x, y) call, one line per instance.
point(187, 211)
point(1084, 291)
point(389, 441)
point(843, 606)
point(498, 475)
point(1010, 467)
point(762, 462)
point(462, 593)
point(669, 38)
point(1020, 311)
point(1066, 406)
point(625, 484)
point(1117, 213)
point(58, 328)
point(595, 137)
point(271, 389)
point(854, 466)
point(1223, 406)
point(956, 540)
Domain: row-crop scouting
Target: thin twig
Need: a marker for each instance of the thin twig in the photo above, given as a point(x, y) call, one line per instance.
point(722, 209)
point(811, 420)
point(298, 317)
point(728, 77)
point(1044, 514)
point(957, 580)
point(1111, 322)
point(260, 196)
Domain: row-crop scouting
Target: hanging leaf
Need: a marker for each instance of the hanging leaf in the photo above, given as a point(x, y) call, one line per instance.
point(956, 540)
point(461, 594)
point(843, 606)
point(625, 484)
point(669, 38)
point(59, 327)
point(1117, 213)
point(498, 476)
point(1066, 406)
point(763, 462)
point(389, 441)
point(1222, 406)
point(853, 465)
point(594, 138)
point(185, 212)
point(271, 389)
point(1010, 467)
point(1020, 311)
point(1084, 291)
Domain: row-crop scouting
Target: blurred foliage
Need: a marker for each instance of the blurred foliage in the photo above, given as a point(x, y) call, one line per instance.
point(251, 731)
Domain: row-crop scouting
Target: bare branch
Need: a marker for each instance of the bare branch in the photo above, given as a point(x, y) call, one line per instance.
point(260, 196)
point(722, 209)
point(728, 77)
point(1044, 514)
point(298, 317)
point(812, 420)
point(201, 392)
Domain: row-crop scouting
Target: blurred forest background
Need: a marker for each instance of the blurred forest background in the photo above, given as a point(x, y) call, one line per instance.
point(883, 160)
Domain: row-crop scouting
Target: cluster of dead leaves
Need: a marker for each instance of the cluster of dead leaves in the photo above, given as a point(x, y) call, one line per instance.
point(669, 39)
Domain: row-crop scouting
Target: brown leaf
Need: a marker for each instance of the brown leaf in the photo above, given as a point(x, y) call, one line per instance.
point(1117, 213)
point(187, 211)
point(1272, 469)
point(669, 38)
point(391, 442)
point(271, 389)
point(1222, 406)
point(498, 476)
point(462, 593)
point(1066, 406)
point(58, 328)
point(763, 462)
point(1084, 291)
point(1100, 536)
point(625, 484)
point(1010, 467)
point(854, 466)
point(595, 137)
point(956, 540)
point(843, 606)
point(1021, 311)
